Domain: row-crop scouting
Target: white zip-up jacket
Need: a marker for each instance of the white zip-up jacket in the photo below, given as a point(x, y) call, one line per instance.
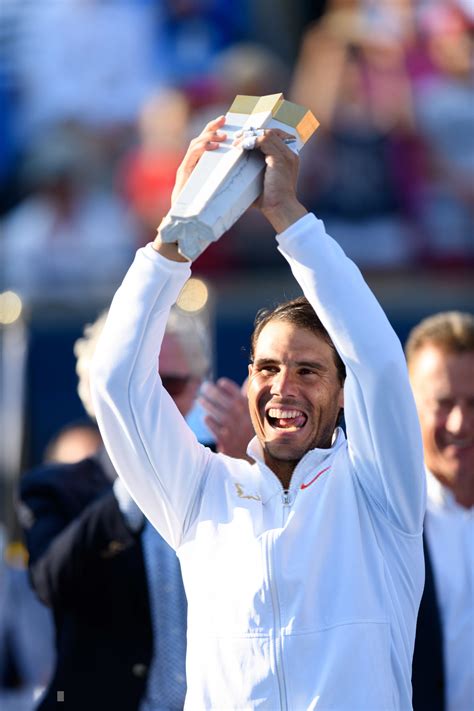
point(298, 600)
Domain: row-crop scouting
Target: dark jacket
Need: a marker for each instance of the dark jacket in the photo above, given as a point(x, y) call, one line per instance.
point(428, 672)
point(88, 567)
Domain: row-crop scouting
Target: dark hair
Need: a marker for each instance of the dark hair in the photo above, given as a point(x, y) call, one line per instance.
point(299, 312)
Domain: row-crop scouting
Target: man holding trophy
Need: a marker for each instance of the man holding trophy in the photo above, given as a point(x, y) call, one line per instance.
point(304, 570)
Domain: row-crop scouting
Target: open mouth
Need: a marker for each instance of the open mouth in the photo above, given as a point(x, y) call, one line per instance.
point(286, 419)
point(459, 444)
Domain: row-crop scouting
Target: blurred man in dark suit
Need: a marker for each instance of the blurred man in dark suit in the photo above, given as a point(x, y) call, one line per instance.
point(113, 584)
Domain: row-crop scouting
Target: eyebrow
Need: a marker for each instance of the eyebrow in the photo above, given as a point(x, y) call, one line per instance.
point(314, 365)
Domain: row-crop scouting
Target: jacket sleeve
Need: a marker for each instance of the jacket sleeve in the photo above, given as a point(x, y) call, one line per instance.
point(382, 424)
point(67, 559)
point(150, 445)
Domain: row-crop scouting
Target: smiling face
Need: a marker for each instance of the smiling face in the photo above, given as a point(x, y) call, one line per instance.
point(443, 384)
point(294, 394)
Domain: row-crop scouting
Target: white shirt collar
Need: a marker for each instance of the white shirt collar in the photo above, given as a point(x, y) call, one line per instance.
point(440, 496)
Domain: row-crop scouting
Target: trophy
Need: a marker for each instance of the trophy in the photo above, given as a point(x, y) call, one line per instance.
point(228, 180)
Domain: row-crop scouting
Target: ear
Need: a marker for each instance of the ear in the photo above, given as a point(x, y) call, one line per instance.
point(250, 369)
point(340, 399)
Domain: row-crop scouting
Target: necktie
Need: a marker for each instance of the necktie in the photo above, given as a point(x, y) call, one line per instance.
point(166, 680)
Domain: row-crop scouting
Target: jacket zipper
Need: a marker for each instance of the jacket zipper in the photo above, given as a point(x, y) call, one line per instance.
point(277, 643)
point(287, 499)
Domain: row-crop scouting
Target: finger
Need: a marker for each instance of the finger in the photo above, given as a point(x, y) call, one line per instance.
point(211, 134)
point(215, 427)
point(229, 387)
point(213, 409)
point(253, 138)
point(264, 132)
point(224, 393)
point(208, 140)
point(274, 148)
point(215, 123)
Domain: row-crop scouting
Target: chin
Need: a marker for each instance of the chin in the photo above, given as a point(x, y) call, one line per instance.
point(284, 453)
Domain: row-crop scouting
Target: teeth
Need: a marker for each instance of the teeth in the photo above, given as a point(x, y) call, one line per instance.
point(283, 414)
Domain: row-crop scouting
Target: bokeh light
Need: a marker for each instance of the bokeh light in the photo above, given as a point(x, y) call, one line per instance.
point(10, 307)
point(194, 295)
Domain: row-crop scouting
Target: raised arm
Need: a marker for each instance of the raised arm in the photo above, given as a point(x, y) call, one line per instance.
point(382, 424)
point(152, 448)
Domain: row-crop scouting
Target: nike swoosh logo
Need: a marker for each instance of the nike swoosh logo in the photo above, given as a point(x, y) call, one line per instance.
point(305, 486)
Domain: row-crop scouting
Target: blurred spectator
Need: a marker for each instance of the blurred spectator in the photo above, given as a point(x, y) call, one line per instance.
point(445, 115)
point(353, 174)
point(67, 61)
point(75, 441)
point(247, 68)
point(189, 34)
point(440, 354)
point(26, 633)
point(26, 625)
point(52, 240)
point(147, 174)
point(114, 585)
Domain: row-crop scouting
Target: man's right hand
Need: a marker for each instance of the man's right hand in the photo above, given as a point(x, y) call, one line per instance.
point(278, 201)
point(208, 140)
point(228, 418)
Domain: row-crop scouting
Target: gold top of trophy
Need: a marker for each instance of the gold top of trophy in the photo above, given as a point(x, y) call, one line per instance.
point(294, 115)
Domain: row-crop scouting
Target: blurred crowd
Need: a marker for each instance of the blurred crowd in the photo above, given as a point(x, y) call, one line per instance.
point(100, 99)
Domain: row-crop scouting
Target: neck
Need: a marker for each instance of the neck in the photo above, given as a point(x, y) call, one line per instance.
point(461, 487)
point(282, 469)
point(464, 496)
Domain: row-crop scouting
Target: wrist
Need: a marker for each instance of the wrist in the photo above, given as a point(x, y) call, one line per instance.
point(283, 216)
point(169, 250)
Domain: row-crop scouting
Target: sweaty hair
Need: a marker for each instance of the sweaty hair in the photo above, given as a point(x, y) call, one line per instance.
point(450, 331)
point(300, 313)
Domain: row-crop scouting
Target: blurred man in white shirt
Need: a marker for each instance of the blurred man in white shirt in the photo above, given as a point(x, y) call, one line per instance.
point(440, 354)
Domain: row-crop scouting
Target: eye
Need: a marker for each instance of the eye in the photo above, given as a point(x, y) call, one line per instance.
point(268, 369)
point(307, 372)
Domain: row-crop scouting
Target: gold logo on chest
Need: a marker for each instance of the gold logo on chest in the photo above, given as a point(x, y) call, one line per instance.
point(241, 495)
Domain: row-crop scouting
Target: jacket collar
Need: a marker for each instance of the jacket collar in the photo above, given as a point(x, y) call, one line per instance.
point(312, 461)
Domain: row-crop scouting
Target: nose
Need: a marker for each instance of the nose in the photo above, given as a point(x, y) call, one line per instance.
point(284, 384)
point(456, 420)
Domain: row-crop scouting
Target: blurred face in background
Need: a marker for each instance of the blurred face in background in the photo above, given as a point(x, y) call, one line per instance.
point(73, 444)
point(443, 385)
point(176, 374)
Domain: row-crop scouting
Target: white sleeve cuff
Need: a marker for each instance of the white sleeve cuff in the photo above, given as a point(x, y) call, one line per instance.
point(307, 223)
